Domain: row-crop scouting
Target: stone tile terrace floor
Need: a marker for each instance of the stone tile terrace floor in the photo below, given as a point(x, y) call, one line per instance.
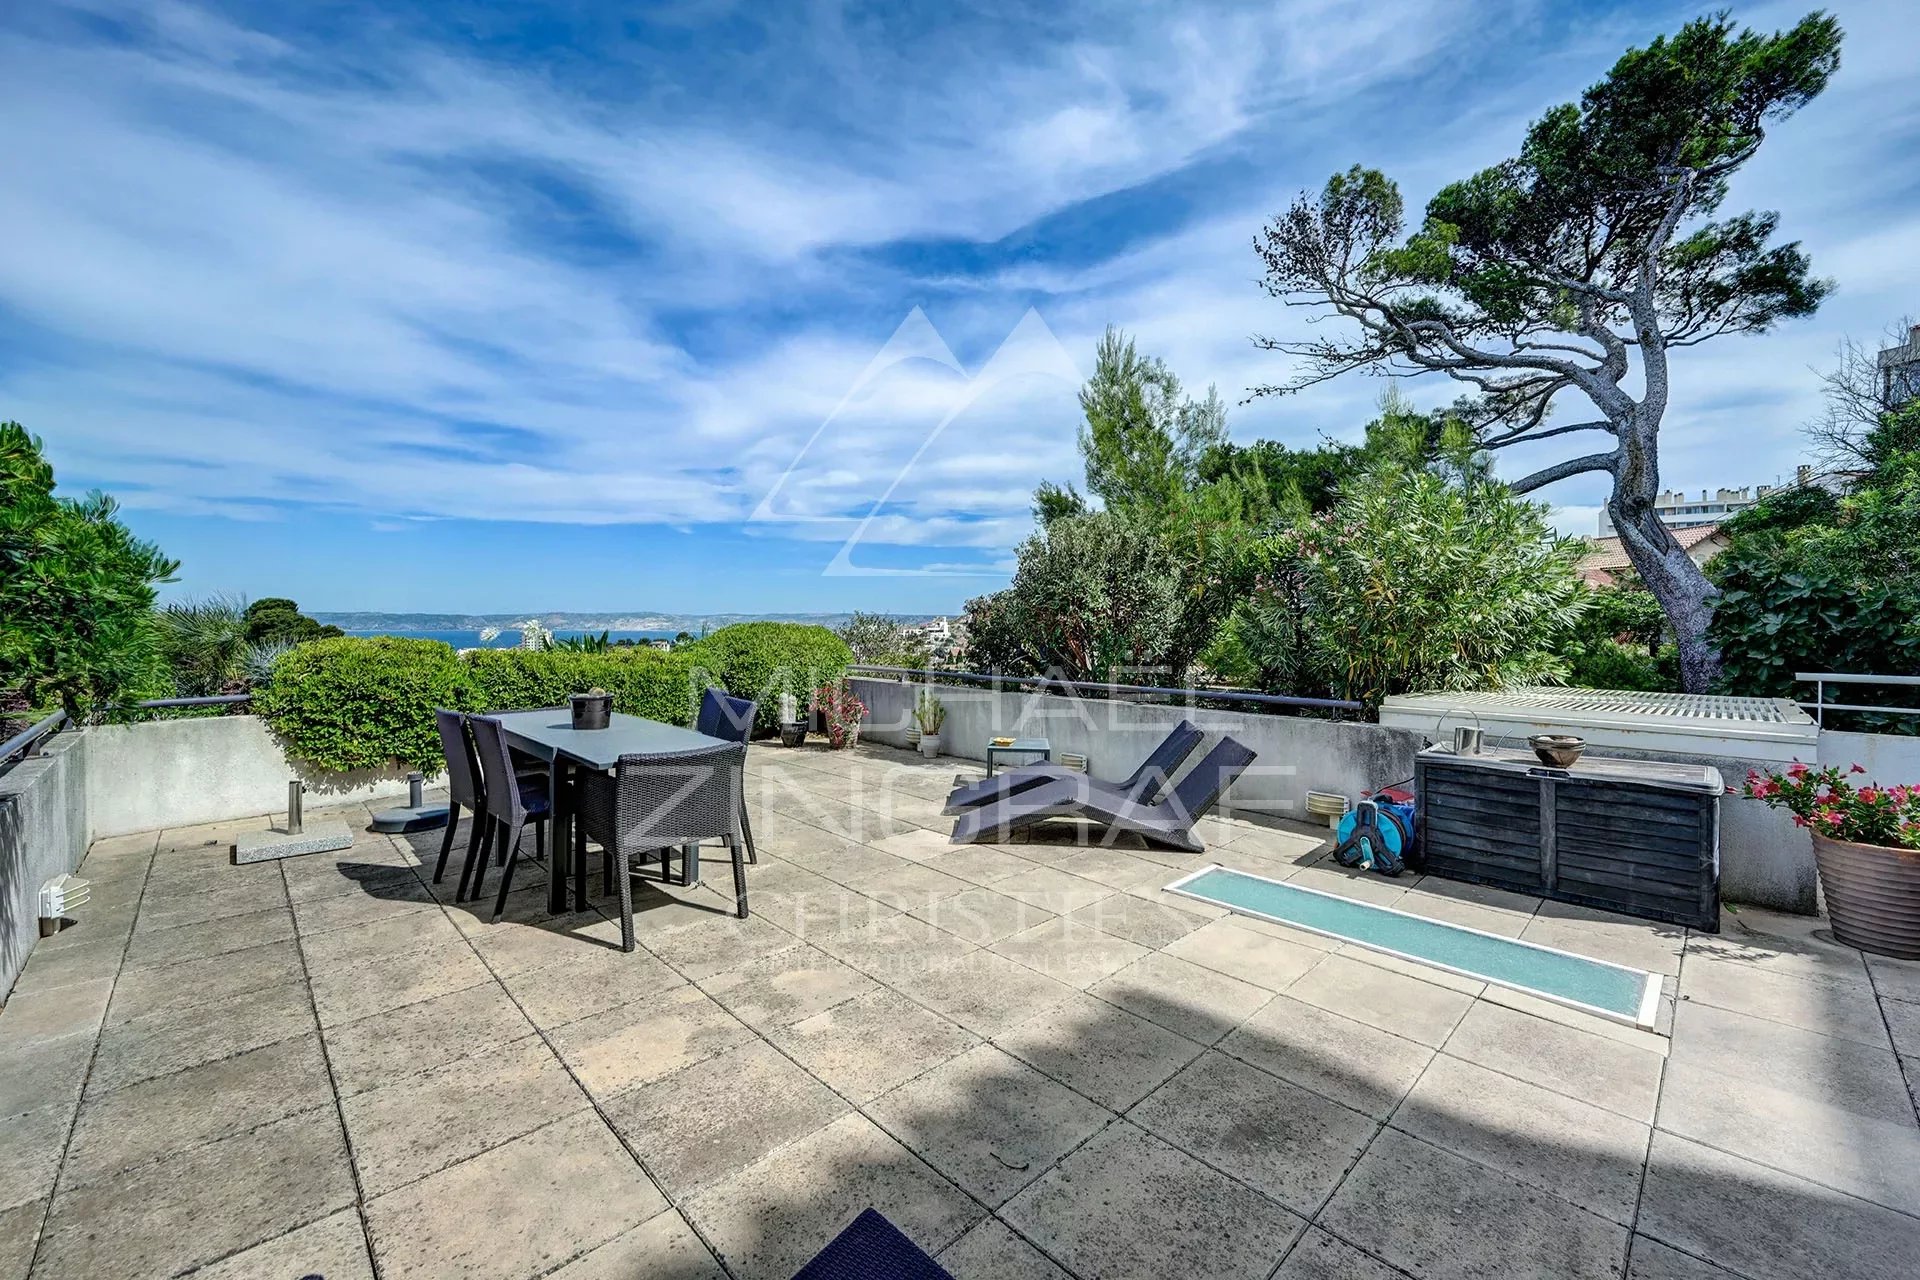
point(1030, 1058)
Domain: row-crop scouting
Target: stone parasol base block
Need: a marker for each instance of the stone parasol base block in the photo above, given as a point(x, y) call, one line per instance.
point(317, 837)
point(424, 818)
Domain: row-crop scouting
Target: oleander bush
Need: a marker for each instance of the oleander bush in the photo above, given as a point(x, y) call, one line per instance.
point(363, 702)
point(654, 683)
point(762, 660)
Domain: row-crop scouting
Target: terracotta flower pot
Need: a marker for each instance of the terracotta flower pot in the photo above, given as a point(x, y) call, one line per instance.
point(1873, 895)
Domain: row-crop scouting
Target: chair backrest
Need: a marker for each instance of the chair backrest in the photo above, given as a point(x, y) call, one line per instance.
point(502, 788)
point(1206, 780)
point(679, 797)
point(726, 717)
point(1146, 783)
point(463, 771)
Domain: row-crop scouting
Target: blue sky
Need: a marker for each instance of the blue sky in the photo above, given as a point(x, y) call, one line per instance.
point(707, 307)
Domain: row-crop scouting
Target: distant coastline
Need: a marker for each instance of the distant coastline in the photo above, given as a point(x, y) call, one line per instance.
point(507, 638)
point(562, 623)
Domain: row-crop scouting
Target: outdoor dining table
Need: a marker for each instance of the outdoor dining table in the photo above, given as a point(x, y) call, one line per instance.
point(548, 734)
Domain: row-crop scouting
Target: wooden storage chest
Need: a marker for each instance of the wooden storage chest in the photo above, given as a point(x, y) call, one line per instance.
point(1641, 837)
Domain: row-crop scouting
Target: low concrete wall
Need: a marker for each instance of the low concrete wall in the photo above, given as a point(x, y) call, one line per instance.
point(1889, 760)
point(178, 773)
point(1296, 754)
point(43, 833)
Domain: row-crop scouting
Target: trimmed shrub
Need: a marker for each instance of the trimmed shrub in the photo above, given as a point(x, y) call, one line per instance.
point(363, 702)
point(762, 660)
point(644, 682)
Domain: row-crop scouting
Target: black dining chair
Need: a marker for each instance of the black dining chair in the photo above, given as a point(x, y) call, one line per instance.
point(512, 802)
point(730, 719)
point(463, 787)
point(658, 801)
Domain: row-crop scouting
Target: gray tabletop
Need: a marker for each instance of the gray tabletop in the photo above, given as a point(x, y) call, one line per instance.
point(550, 732)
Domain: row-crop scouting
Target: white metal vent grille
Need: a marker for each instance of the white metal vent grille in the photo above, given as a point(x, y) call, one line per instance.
point(1703, 707)
point(1709, 725)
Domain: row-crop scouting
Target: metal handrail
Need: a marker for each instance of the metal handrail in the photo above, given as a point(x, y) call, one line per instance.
point(156, 704)
point(1821, 679)
point(1218, 695)
point(28, 740)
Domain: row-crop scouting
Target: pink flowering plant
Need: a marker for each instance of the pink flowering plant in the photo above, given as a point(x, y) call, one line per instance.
point(1826, 801)
point(841, 713)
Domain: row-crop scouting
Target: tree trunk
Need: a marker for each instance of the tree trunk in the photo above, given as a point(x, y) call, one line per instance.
point(1684, 593)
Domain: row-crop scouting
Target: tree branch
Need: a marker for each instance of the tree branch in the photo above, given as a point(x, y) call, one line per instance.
point(1561, 470)
point(1524, 436)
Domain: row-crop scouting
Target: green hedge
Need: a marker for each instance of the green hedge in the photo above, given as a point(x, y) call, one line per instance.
point(366, 702)
point(762, 660)
point(363, 702)
point(644, 682)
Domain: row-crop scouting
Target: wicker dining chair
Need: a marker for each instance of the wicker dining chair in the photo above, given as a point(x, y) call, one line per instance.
point(730, 719)
point(511, 803)
point(657, 801)
point(463, 788)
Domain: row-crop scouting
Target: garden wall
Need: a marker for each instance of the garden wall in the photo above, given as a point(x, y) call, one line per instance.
point(43, 833)
point(178, 773)
point(1296, 754)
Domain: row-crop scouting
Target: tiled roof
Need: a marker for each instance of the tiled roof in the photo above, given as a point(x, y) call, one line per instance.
point(1608, 554)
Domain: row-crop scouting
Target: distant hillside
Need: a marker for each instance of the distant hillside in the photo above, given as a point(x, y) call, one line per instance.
point(575, 621)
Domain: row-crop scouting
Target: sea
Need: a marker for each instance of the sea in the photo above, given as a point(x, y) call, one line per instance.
point(510, 639)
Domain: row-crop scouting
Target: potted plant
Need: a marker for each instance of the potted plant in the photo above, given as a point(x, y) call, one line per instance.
point(1866, 841)
point(929, 716)
point(793, 730)
point(840, 714)
point(592, 709)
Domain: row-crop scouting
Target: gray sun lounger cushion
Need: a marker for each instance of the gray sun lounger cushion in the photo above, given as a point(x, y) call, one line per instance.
point(1168, 823)
point(1144, 785)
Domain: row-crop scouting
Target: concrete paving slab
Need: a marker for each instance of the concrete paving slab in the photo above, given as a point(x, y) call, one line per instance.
point(30, 1146)
point(380, 902)
point(1843, 1073)
point(167, 1042)
point(52, 969)
point(1845, 1009)
point(517, 1210)
point(1053, 890)
point(1320, 1256)
point(1579, 1152)
point(1185, 998)
point(1384, 998)
point(1068, 950)
point(1361, 1066)
point(991, 1251)
point(1257, 958)
point(1638, 944)
point(983, 992)
point(586, 982)
point(981, 916)
point(158, 1117)
point(1149, 923)
point(235, 933)
point(1427, 1212)
point(36, 1016)
point(334, 1247)
point(1652, 1260)
point(662, 1248)
point(988, 1121)
point(708, 1121)
point(982, 864)
point(718, 943)
point(772, 1216)
point(1869, 1156)
point(36, 1074)
point(213, 981)
point(1099, 1050)
point(1577, 1064)
point(634, 1043)
point(200, 1205)
point(785, 987)
point(20, 1236)
point(377, 1050)
point(1765, 1224)
point(867, 1045)
point(361, 990)
point(1128, 1204)
point(1284, 1141)
point(419, 1124)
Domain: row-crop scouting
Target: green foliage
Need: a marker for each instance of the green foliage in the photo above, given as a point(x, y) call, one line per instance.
point(882, 641)
point(363, 702)
point(206, 644)
point(762, 660)
point(1617, 642)
point(654, 683)
point(1414, 583)
point(584, 643)
point(76, 592)
point(1142, 442)
point(1814, 582)
point(276, 620)
point(1094, 597)
point(929, 713)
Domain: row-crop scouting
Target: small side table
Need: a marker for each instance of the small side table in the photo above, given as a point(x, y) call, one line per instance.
point(1021, 747)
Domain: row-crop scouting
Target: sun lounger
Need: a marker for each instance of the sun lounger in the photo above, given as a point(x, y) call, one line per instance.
point(1168, 823)
point(1143, 786)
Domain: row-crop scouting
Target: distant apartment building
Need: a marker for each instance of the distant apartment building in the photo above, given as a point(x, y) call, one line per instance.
point(1900, 370)
point(1682, 510)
